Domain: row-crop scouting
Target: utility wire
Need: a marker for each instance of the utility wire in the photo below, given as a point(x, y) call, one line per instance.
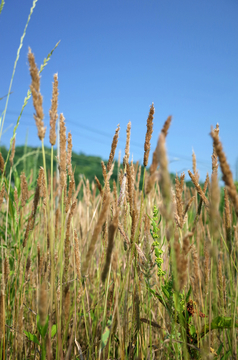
point(99, 132)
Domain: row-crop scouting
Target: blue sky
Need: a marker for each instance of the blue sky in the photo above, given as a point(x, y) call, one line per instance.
point(116, 58)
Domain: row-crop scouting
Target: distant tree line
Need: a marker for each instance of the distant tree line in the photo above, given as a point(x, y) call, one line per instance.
point(29, 159)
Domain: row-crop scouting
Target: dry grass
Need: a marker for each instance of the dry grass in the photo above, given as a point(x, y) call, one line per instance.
point(84, 269)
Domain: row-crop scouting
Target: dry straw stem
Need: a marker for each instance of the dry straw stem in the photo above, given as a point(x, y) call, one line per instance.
point(62, 152)
point(130, 188)
point(53, 110)
point(200, 202)
point(6, 270)
point(227, 175)
point(138, 180)
point(214, 205)
point(196, 271)
point(187, 207)
point(77, 255)
point(127, 149)
point(67, 242)
point(113, 148)
point(111, 234)
point(2, 314)
point(69, 155)
point(96, 232)
point(220, 283)
point(199, 190)
point(228, 221)
point(20, 332)
point(31, 219)
point(36, 95)
point(13, 151)
point(207, 264)
point(148, 134)
point(115, 195)
point(88, 193)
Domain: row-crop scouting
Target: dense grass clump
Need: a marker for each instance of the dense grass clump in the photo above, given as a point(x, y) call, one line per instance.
point(134, 268)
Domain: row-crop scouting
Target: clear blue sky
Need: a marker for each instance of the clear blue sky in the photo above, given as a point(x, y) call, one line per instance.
point(116, 58)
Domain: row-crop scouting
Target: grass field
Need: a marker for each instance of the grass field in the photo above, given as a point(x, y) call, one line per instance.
point(122, 272)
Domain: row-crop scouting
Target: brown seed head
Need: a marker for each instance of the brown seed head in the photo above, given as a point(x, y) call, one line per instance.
point(197, 186)
point(196, 174)
point(69, 155)
point(148, 134)
point(13, 151)
point(43, 304)
point(62, 152)
point(1, 163)
point(24, 189)
point(53, 110)
point(111, 234)
point(2, 192)
point(127, 149)
point(166, 126)
point(227, 174)
point(99, 186)
point(113, 147)
point(214, 155)
point(36, 95)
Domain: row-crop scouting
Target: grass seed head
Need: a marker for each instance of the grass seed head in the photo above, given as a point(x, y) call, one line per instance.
point(148, 134)
point(53, 110)
point(113, 148)
point(36, 95)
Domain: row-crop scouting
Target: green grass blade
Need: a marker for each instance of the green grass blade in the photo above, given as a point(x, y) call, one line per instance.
point(1, 6)
point(15, 64)
point(46, 60)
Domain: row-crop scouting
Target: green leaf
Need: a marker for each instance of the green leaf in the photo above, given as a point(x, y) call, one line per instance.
point(105, 337)
point(188, 294)
point(220, 322)
point(53, 330)
point(38, 323)
point(1, 7)
point(192, 330)
point(165, 291)
point(45, 327)
point(220, 349)
point(226, 355)
point(32, 337)
point(42, 328)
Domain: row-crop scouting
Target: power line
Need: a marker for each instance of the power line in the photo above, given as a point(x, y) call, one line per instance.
point(99, 132)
